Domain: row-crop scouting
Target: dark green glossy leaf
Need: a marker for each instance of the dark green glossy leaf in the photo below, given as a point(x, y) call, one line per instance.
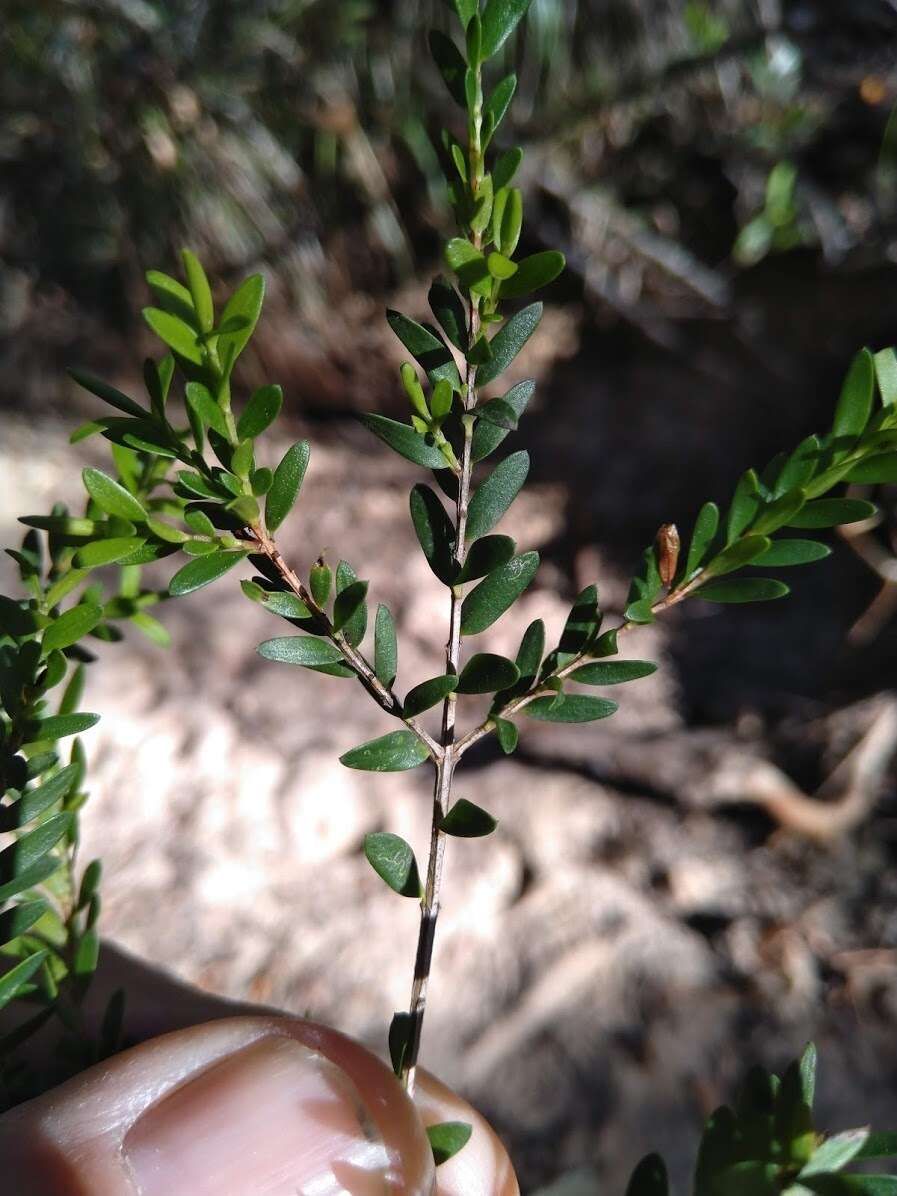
point(875, 470)
point(507, 735)
point(400, 1035)
point(426, 347)
point(748, 1179)
point(447, 1138)
point(468, 263)
point(779, 513)
point(742, 552)
point(141, 434)
point(241, 314)
point(533, 273)
point(792, 552)
point(404, 440)
point(37, 801)
point(200, 486)
point(799, 468)
point(71, 626)
point(881, 1145)
point(497, 105)
point(35, 875)
point(175, 332)
point(575, 708)
point(428, 694)
point(386, 649)
point(435, 532)
point(286, 484)
point(485, 555)
point(111, 497)
point(487, 437)
point(506, 167)
point(393, 861)
point(746, 502)
point(302, 650)
point(495, 495)
point(288, 606)
point(348, 602)
point(446, 306)
point(355, 625)
point(451, 64)
point(500, 413)
point(15, 618)
point(531, 651)
point(108, 393)
point(107, 552)
point(58, 726)
point(200, 290)
point(201, 571)
point(20, 918)
point(500, 18)
point(742, 589)
point(395, 752)
point(13, 981)
point(19, 857)
point(649, 1178)
point(498, 591)
point(855, 403)
point(613, 672)
point(832, 512)
point(508, 342)
point(486, 673)
point(467, 821)
point(200, 398)
point(705, 529)
point(582, 625)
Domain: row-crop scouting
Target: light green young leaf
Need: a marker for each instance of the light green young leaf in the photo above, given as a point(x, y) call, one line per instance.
point(494, 496)
point(886, 373)
point(447, 1138)
point(241, 313)
point(396, 752)
point(286, 484)
point(497, 592)
point(200, 290)
point(855, 404)
point(393, 861)
point(175, 333)
point(111, 497)
point(71, 626)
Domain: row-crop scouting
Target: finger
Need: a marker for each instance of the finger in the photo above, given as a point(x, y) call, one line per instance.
point(482, 1167)
point(242, 1107)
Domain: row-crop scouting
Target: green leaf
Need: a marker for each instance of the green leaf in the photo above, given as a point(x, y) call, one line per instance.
point(705, 530)
point(447, 1138)
point(748, 1179)
point(467, 821)
point(71, 626)
point(386, 650)
point(288, 606)
point(495, 495)
point(141, 434)
point(498, 412)
point(855, 404)
point(199, 397)
point(19, 918)
point(500, 18)
point(108, 393)
point(508, 342)
point(875, 470)
point(583, 623)
point(487, 437)
point(35, 875)
point(746, 502)
point(742, 552)
point(506, 230)
point(200, 290)
point(303, 650)
point(35, 802)
point(241, 312)
point(395, 752)
point(173, 296)
point(533, 273)
point(286, 484)
point(451, 64)
point(111, 497)
point(393, 861)
point(886, 373)
point(800, 467)
point(260, 412)
point(400, 1039)
point(468, 263)
point(19, 857)
point(404, 440)
point(531, 651)
point(484, 556)
point(435, 532)
point(649, 1178)
point(497, 592)
point(502, 268)
point(446, 306)
point(506, 167)
point(426, 695)
point(575, 708)
point(201, 571)
point(13, 981)
point(507, 735)
point(426, 347)
point(835, 1153)
point(832, 512)
point(107, 552)
point(780, 512)
point(742, 589)
point(355, 625)
point(792, 552)
point(348, 602)
point(58, 726)
point(881, 1145)
point(808, 1075)
point(613, 672)
point(498, 103)
point(486, 673)
point(177, 334)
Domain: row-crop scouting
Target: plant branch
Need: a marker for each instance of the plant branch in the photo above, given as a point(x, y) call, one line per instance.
point(382, 694)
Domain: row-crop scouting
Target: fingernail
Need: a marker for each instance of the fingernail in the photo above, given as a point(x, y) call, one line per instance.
point(275, 1119)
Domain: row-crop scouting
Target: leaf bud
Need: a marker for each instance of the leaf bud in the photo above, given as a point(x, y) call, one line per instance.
point(668, 545)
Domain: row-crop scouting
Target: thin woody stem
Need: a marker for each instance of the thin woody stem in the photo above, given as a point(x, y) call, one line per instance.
point(382, 694)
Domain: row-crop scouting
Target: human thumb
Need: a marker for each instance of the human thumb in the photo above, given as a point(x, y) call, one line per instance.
point(252, 1106)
